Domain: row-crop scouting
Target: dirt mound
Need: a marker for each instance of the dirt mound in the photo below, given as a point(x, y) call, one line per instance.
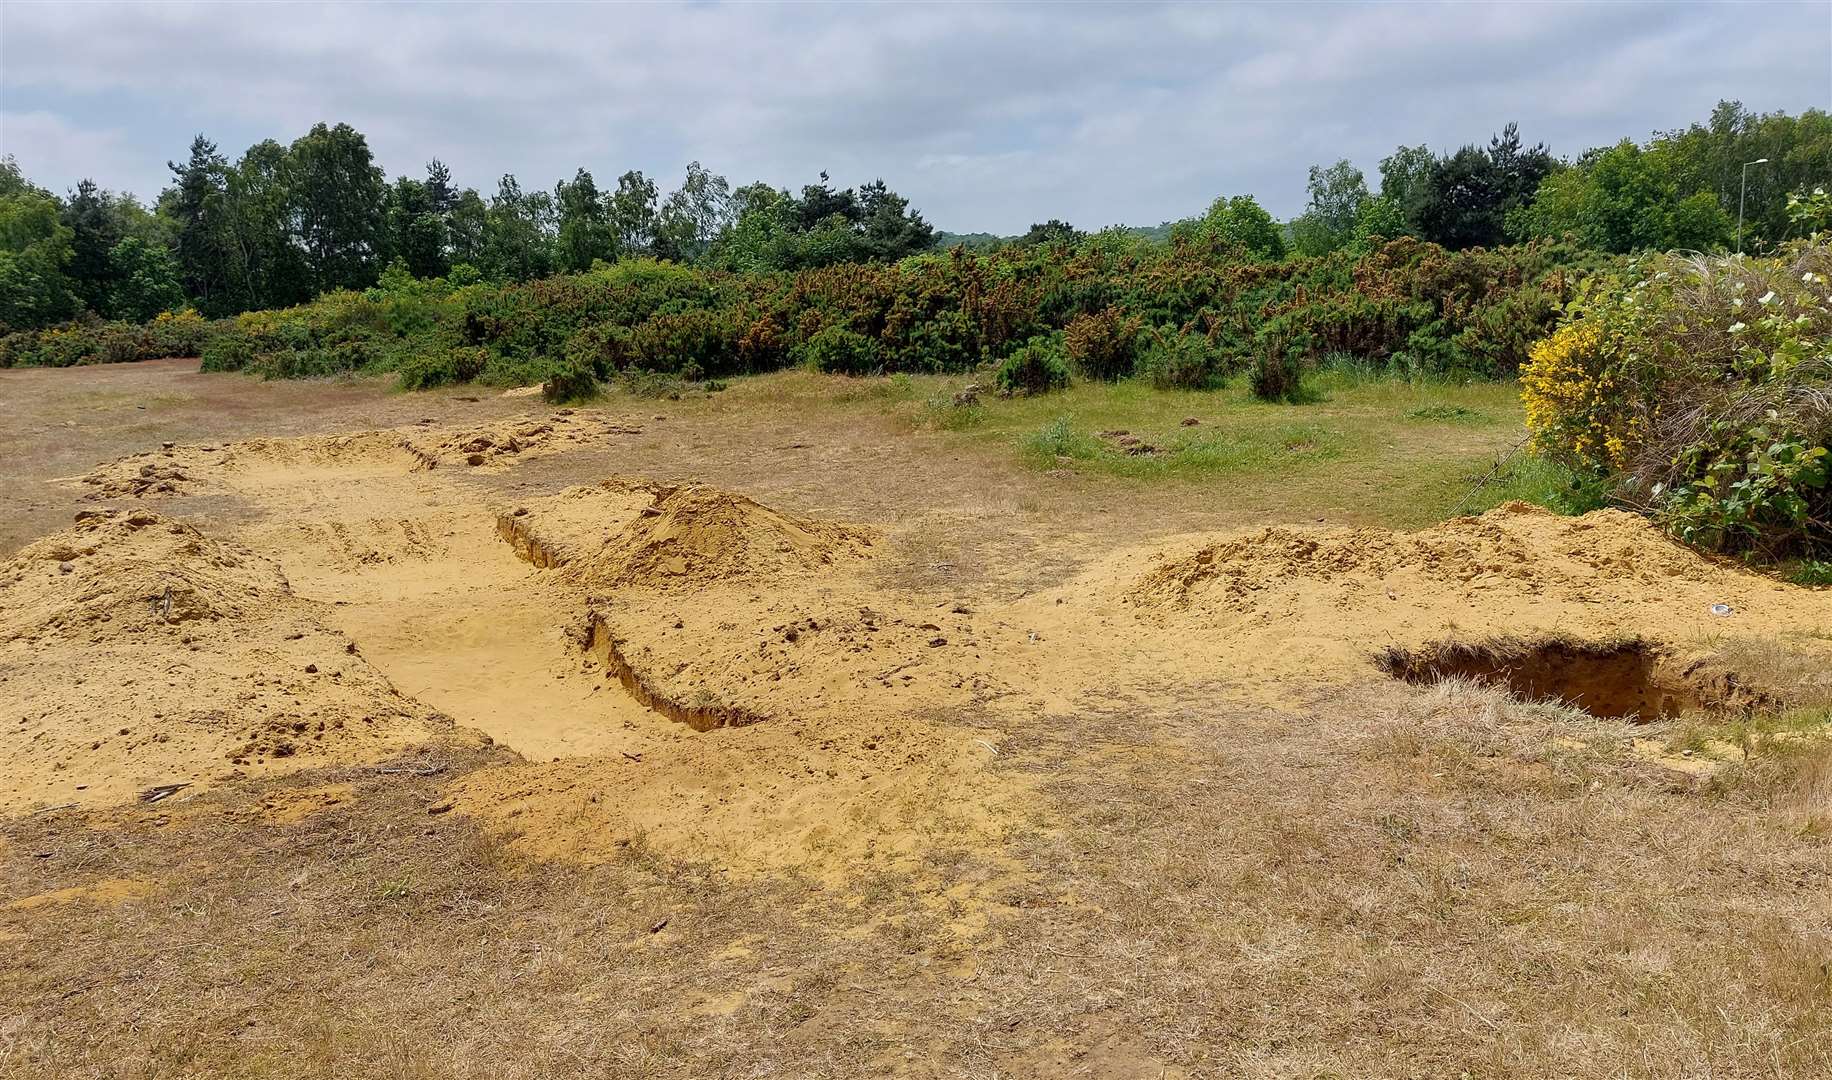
point(137, 653)
point(197, 469)
point(632, 533)
point(186, 469)
point(1516, 549)
point(119, 573)
point(500, 444)
point(1282, 607)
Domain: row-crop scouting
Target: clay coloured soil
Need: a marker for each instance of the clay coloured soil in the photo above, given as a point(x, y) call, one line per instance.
point(768, 733)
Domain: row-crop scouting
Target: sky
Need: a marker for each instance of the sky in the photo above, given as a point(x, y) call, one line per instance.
point(988, 117)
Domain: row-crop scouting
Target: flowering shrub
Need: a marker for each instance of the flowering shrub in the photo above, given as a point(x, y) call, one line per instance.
point(1702, 388)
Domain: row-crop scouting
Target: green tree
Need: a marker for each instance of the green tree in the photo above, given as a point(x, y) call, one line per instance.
point(339, 196)
point(467, 228)
point(1709, 157)
point(1466, 198)
point(1402, 177)
point(35, 248)
point(1336, 197)
point(1051, 232)
point(197, 205)
point(1239, 222)
point(1381, 218)
point(632, 214)
point(416, 229)
point(693, 216)
point(517, 233)
point(145, 281)
point(1623, 199)
point(264, 259)
point(584, 224)
point(94, 231)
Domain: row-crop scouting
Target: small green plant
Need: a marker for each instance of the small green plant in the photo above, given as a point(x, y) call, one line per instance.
point(1059, 439)
point(1278, 375)
point(394, 889)
point(1037, 367)
point(952, 412)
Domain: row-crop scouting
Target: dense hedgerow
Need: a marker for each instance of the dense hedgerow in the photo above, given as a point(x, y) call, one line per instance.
point(1701, 387)
point(1184, 315)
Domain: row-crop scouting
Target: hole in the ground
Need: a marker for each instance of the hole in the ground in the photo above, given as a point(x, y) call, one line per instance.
point(1617, 679)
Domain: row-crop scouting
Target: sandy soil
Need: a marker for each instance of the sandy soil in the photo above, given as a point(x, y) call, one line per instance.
point(769, 682)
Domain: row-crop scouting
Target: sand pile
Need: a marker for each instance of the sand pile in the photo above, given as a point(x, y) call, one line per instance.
point(636, 534)
point(188, 469)
point(830, 801)
point(1516, 550)
point(199, 469)
point(137, 652)
point(1291, 605)
point(502, 443)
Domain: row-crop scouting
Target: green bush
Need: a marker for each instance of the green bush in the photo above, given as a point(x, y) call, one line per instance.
point(457, 364)
point(572, 381)
point(1278, 367)
point(1037, 367)
point(1179, 361)
point(839, 351)
point(228, 351)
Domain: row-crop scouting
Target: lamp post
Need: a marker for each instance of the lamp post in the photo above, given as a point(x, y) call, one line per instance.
point(1742, 191)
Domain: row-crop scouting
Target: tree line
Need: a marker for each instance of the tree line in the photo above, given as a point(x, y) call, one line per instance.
point(287, 222)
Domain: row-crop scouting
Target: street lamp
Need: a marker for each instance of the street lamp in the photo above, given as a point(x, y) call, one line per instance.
point(1741, 192)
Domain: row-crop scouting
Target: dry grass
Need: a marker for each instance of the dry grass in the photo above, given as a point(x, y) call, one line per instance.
point(1395, 881)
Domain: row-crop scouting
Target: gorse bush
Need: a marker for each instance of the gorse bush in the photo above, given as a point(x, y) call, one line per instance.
point(1179, 361)
point(1037, 367)
point(1103, 345)
point(1700, 387)
point(836, 350)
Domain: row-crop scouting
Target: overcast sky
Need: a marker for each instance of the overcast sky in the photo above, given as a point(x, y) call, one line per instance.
point(987, 117)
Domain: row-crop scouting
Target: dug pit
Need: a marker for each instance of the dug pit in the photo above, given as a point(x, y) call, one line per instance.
point(1632, 679)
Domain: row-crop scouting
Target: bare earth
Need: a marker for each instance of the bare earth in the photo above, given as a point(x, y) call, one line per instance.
point(347, 733)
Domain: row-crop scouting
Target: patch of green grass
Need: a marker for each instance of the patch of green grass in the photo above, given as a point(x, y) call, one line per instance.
point(943, 414)
point(1447, 414)
point(1059, 442)
point(1349, 451)
point(1191, 452)
point(1527, 478)
point(1813, 573)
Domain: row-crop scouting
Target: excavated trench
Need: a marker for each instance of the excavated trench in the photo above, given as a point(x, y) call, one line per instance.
point(604, 645)
point(1633, 679)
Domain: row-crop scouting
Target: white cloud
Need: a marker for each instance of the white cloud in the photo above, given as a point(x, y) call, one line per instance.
point(988, 117)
